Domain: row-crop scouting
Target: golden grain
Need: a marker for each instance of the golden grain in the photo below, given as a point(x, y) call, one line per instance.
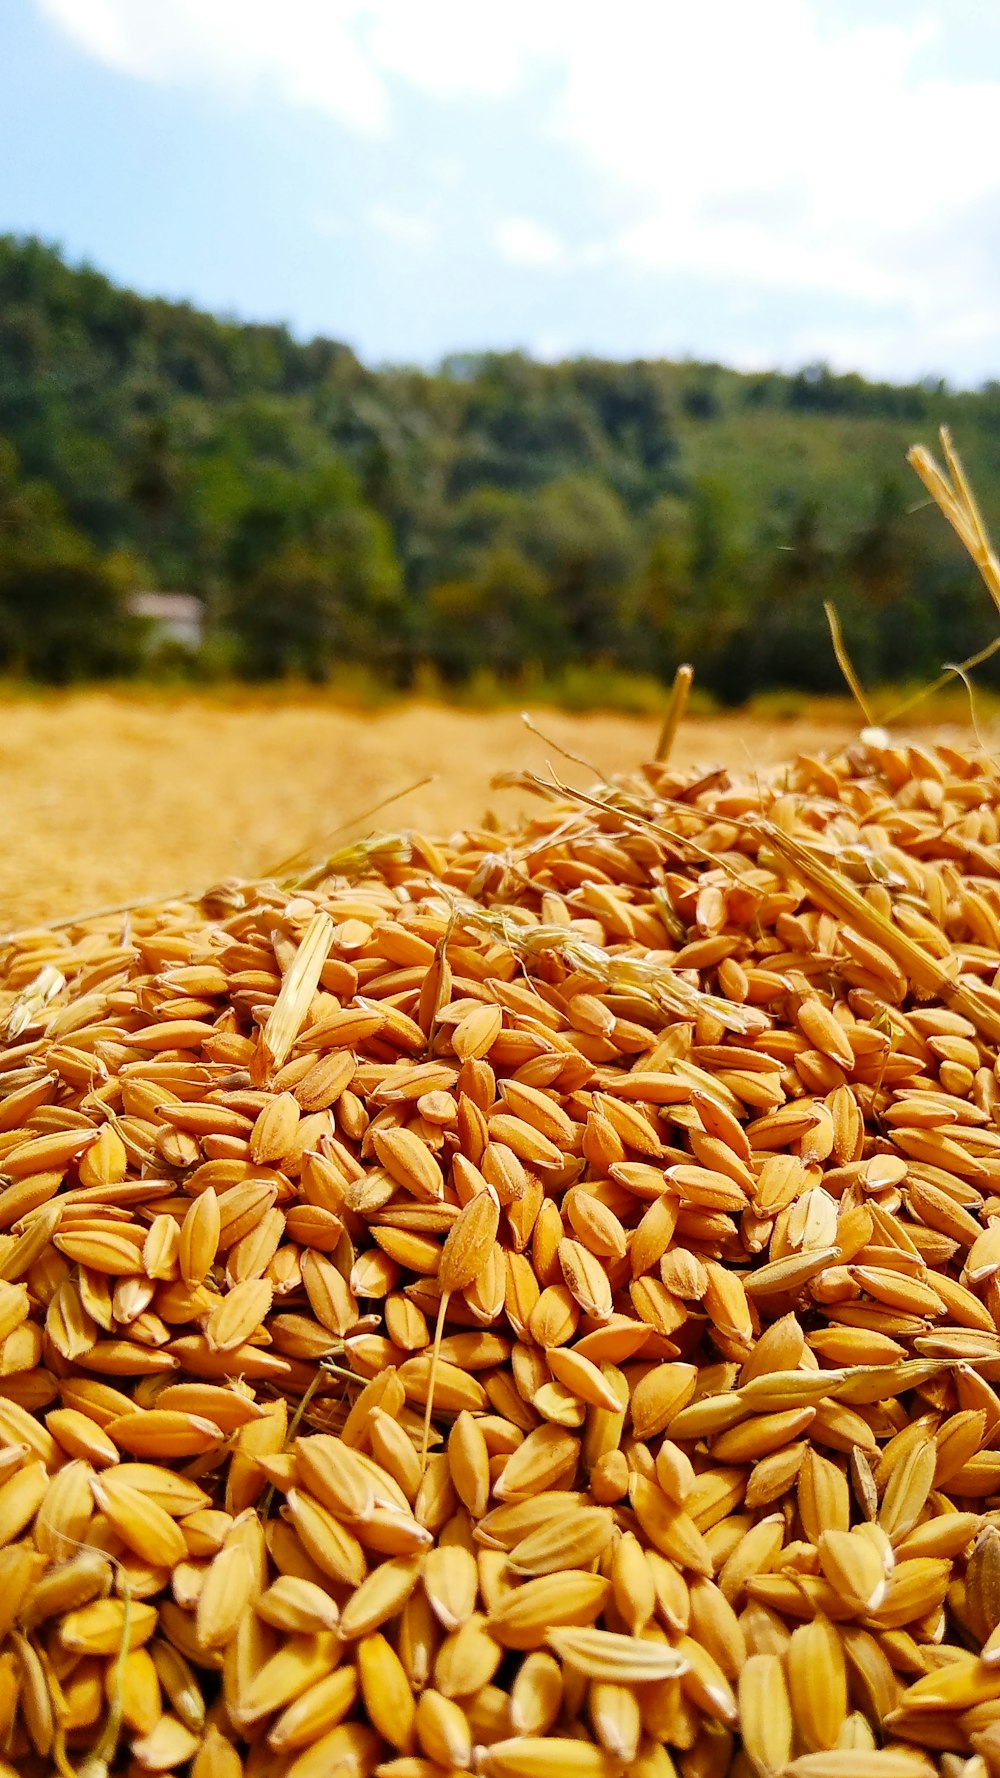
point(656, 1205)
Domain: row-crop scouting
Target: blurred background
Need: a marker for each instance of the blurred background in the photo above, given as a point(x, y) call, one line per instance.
point(493, 353)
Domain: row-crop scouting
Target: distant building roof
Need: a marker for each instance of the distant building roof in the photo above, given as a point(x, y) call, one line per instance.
point(183, 608)
point(171, 618)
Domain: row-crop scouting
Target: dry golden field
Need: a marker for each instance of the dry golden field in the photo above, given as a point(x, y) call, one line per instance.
point(109, 798)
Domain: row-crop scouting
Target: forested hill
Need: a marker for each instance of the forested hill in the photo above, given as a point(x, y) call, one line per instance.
point(497, 513)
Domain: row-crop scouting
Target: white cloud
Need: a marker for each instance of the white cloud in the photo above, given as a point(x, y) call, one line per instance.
point(551, 345)
point(415, 231)
point(763, 148)
point(307, 52)
point(452, 46)
point(783, 147)
point(331, 55)
point(528, 243)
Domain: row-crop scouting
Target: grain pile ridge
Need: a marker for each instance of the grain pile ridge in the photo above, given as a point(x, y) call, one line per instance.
point(525, 1304)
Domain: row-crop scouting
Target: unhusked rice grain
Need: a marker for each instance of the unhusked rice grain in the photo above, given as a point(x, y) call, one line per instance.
point(525, 1303)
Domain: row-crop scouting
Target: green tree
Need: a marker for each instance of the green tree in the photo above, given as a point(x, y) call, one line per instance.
point(668, 621)
point(63, 611)
point(501, 619)
point(636, 513)
point(313, 580)
point(63, 621)
point(578, 533)
point(882, 559)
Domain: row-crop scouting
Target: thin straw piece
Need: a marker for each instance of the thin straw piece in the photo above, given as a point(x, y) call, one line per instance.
point(837, 896)
point(957, 502)
point(943, 679)
point(846, 665)
point(683, 680)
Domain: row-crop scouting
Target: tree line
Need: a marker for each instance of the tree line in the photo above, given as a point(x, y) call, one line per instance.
point(493, 515)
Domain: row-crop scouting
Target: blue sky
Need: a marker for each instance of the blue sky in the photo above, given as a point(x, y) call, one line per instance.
point(763, 182)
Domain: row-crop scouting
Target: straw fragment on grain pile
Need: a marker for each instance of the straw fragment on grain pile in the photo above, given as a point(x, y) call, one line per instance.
point(525, 1303)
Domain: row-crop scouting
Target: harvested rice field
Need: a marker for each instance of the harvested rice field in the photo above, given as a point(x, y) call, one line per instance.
point(107, 798)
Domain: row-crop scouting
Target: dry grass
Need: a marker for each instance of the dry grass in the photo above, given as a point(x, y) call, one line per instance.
point(109, 797)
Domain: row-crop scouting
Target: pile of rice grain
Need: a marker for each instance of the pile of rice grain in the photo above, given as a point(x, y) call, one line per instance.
point(526, 1304)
